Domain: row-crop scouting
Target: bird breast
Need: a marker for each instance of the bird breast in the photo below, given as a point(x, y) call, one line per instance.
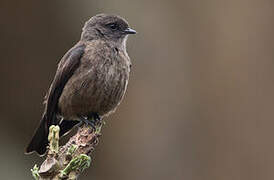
point(98, 85)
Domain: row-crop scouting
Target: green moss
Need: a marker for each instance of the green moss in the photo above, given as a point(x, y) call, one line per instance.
point(72, 149)
point(54, 138)
point(34, 172)
point(78, 163)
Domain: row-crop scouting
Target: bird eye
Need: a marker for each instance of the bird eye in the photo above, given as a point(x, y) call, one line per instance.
point(113, 26)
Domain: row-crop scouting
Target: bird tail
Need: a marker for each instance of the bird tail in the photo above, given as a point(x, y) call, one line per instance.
point(39, 141)
point(66, 126)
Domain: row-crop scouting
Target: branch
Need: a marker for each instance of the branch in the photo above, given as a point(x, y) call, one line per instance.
point(71, 159)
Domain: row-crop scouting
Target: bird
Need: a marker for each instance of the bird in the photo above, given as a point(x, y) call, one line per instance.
point(90, 81)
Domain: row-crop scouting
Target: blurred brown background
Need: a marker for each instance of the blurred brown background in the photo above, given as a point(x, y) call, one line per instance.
point(199, 105)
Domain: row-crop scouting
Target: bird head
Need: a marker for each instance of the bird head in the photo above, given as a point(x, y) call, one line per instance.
point(108, 27)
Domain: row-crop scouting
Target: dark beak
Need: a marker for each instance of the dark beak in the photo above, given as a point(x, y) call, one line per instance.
point(130, 31)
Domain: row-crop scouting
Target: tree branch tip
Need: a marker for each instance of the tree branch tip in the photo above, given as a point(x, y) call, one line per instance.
point(67, 162)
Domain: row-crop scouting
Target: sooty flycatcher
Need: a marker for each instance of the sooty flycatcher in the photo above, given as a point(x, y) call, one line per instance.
point(90, 81)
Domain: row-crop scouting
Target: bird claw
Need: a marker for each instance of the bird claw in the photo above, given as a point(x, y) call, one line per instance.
point(91, 120)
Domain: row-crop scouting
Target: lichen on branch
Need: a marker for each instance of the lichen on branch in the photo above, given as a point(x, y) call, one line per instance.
point(70, 160)
point(53, 139)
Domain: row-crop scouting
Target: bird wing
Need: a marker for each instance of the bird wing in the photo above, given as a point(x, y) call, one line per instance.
point(66, 68)
point(68, 64)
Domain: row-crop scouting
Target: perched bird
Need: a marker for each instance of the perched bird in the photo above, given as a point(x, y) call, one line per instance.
point(90, 81)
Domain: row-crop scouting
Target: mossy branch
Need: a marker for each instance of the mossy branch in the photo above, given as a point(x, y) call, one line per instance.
point(68, 161)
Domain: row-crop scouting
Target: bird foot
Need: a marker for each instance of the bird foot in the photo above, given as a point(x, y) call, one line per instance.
point(92, 120)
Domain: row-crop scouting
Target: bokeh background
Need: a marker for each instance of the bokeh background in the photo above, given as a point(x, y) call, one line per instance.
point(200, 102)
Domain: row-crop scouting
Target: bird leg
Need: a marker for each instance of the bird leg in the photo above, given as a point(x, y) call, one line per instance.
point(92, 119)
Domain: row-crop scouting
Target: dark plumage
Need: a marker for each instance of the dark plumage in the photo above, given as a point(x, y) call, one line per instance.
point(91, 78)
